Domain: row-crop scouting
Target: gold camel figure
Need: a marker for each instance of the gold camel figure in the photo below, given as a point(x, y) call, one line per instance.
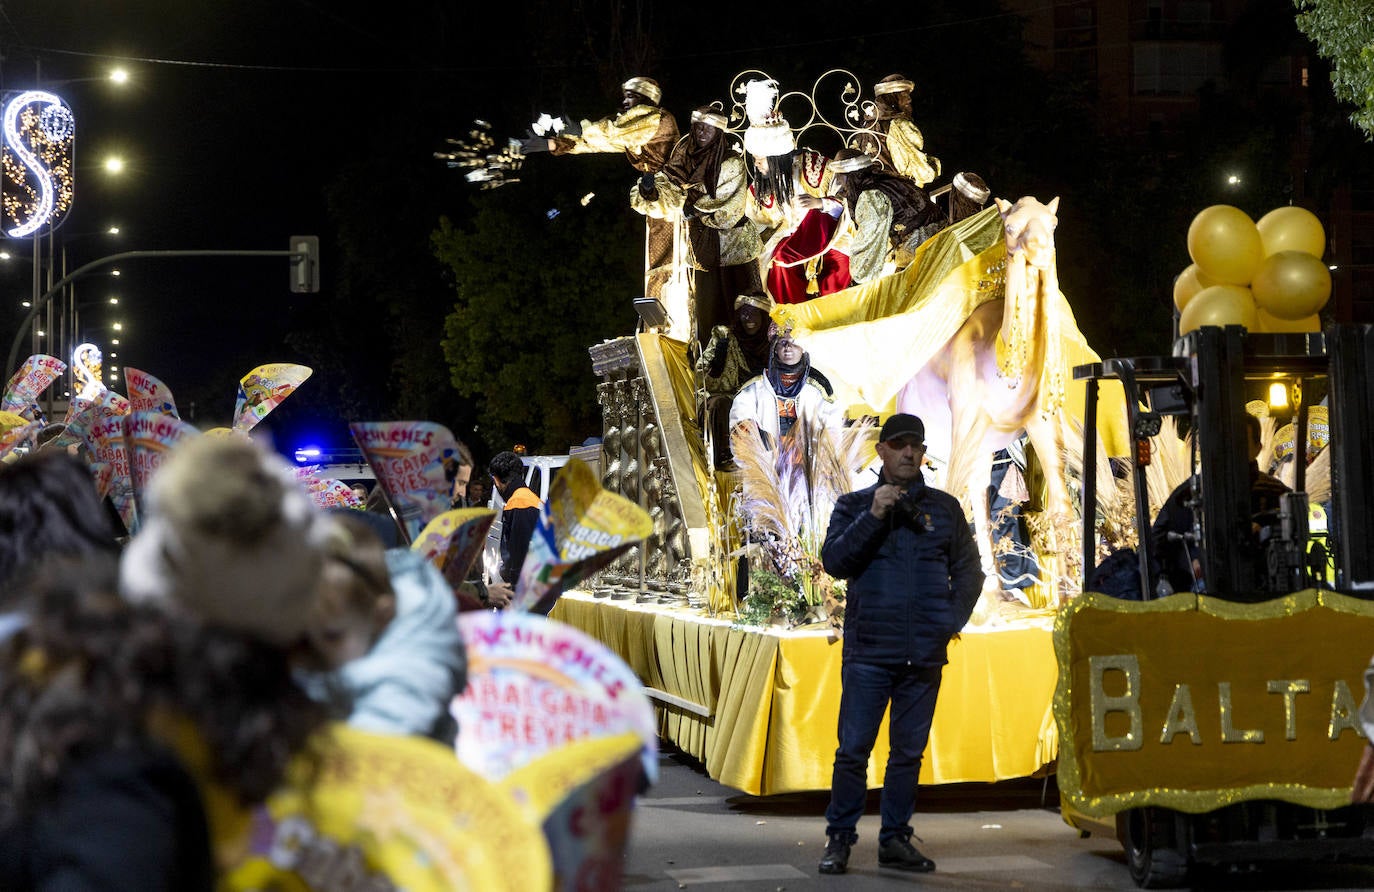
point(1003, 373)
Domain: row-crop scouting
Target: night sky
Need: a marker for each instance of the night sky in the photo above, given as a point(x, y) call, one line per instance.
point(232, 125)
point(247, 121)
point(240, 114)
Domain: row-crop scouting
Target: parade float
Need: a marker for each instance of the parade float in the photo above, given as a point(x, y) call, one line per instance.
point(703, 576)
point(725, 612)
point(1195, 745)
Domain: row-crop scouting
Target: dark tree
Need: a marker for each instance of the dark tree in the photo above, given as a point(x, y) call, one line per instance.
point(540, 277)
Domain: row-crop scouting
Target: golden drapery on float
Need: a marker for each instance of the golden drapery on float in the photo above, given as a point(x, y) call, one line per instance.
point(759, 706)
point(871, 339)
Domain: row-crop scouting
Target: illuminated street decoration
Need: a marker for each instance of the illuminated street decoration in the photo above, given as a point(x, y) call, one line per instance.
point(86, 370)
point(40, 135)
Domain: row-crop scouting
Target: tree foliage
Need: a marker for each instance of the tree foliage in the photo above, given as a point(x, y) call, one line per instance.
point(1343, 31)
point(539, 278)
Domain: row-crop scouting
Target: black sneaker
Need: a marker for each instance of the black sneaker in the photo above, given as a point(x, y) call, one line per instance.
point(902, 855)
point(836, 858)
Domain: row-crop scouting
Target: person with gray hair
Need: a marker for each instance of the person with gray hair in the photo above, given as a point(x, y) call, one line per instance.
point(914, 576)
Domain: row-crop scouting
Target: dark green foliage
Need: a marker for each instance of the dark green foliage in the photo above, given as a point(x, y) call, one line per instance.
point(533, 293)
point(772, 597)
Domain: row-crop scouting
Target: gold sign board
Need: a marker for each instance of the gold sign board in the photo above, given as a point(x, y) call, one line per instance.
point(1194, 703)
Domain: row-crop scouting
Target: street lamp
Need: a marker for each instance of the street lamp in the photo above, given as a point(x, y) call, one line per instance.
point(55, 134)
point(69, 309)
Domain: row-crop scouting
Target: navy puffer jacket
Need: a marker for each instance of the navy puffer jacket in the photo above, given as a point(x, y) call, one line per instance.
point(913, 581)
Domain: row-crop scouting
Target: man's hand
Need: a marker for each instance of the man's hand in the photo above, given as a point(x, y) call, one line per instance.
point(809, 202)
point(884, 497)
point(720, 336)
point(648, 190)
point(499, 595)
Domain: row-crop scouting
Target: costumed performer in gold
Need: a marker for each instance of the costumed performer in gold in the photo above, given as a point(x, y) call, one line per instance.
point(902, 148)
point(705, 183)
point(646, 133)
point(734, 356)
point(891, 215)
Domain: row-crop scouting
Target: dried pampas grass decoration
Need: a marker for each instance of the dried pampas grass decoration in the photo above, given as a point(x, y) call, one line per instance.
point(787, 494)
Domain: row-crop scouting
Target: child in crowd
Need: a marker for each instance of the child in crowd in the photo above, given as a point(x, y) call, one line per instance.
point(386, 621)
point(356, 601)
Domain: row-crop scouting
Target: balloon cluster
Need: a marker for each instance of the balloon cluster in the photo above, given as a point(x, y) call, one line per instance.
point(1267, 276)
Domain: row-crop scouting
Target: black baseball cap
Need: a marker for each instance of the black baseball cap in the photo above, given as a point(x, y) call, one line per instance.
point(902, 425)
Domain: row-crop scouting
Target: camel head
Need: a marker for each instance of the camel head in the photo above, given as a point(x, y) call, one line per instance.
point(1029, 227)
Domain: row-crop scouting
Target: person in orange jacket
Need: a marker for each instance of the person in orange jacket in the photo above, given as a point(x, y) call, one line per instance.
point(518, 519)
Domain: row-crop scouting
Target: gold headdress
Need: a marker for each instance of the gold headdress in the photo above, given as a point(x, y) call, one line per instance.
point(859, 161)
point(759, 301)
point(711, 114)
point(969, 189)
point(644, 86)
point(893, 84)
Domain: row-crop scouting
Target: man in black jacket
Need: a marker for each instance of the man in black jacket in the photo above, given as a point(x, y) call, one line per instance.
point(914, 578)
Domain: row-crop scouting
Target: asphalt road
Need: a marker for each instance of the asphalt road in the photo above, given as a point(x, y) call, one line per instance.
point(689, 832)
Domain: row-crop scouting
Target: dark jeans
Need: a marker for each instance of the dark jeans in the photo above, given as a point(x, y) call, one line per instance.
point(867, 689)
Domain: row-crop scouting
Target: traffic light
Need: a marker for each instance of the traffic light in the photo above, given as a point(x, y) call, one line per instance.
point(305, 264)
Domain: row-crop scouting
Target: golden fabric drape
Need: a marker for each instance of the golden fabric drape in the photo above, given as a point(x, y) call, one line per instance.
point(872, 338)
point(772, 697)
point(663, 352)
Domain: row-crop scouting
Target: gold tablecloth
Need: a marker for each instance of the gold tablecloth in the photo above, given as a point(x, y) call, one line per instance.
point(762, 704)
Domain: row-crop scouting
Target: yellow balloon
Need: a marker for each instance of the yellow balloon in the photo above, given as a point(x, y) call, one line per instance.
point(1292, 229)
point(1224, 243)
point(1276, 325)
point(1291, 284)
point(1220, 305)
point(1189, 282)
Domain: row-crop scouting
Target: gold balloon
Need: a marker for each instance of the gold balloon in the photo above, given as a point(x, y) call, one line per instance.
point(1292, 229)
point(1224, 243)
point(1220, 305)
point(1291, 284)
point(1276, 325)
point(1189, 282)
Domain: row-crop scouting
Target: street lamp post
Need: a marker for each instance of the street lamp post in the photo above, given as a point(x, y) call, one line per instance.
point(70, 326)
point(39, 132)
point(302, 253)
